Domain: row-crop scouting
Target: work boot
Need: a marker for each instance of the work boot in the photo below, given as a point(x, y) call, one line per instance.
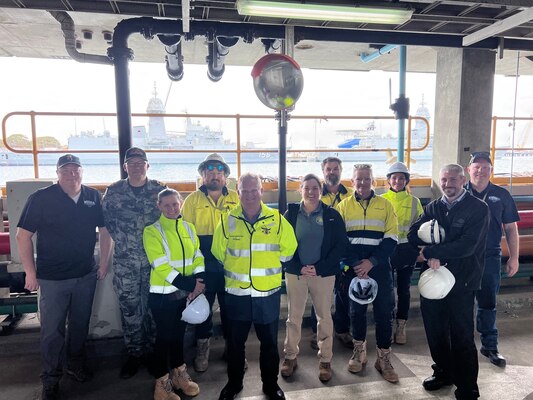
point(384, 366)
point(182, 380)
point(80, 374)
point(130, 367)
point(164, 390)
point(346, 339)
point(494, 357)
point(324, 371)
point(201, 361)
point(400, 336)
point(359, 358)
point(288, 367)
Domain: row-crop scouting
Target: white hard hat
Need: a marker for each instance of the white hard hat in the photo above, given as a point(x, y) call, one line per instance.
point(214, 157)
point(196, 311)
point(435, 284)
point(398, 167)
point(363, 291)
point(431, 233)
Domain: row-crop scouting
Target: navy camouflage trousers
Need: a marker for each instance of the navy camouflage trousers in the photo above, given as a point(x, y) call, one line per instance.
point(131, 282)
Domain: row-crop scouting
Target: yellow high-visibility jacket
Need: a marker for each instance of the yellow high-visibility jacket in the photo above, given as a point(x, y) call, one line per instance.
point(371, 227)
point(173, 249)
point(407, 207)
point(252, 253)
point(200, 210)
point(333, 199)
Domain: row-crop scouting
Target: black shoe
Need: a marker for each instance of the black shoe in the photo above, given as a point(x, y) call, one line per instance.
point(494, 357)
point(50, 392)
point(82, 374)
point(229, 392)
point(274, 393)
point(435, 383)
point(130, 367)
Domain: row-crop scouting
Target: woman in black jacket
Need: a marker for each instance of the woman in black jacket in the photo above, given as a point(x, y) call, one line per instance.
point(321, 244)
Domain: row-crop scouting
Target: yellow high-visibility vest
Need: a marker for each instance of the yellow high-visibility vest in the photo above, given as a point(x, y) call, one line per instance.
point(407, 207)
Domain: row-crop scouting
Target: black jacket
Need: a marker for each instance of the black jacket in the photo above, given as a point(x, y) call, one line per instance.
point(333, 246)
point(463, 250)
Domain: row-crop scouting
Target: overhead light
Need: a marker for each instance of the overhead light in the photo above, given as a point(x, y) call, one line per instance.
point(323, 12)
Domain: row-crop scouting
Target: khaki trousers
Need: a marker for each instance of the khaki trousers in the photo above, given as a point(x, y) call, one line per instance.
point(321, 289)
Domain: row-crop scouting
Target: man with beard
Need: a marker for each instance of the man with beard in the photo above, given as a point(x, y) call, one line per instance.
point(449, 322)
point(333, 193)
point(204, 208)
point(503, 217)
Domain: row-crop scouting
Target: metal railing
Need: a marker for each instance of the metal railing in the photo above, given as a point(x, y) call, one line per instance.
point(238, 118)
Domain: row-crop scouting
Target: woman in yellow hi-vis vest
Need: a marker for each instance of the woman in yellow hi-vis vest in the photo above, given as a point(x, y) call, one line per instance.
point(173, 249)
point(408, 209)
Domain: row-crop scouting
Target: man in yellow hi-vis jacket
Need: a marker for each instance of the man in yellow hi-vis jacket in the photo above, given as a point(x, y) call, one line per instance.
point(251, 242)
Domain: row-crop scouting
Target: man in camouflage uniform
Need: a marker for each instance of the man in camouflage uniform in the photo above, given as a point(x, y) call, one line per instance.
point(129, 206)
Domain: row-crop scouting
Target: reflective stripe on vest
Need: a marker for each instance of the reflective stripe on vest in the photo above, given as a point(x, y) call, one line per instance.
point(250, 291)
point(362, 222)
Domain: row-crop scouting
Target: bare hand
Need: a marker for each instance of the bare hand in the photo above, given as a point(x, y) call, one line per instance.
point(363, 268)
point(434, 263)
point(31, 283)
point(101, 272)
point(198, 289)
point(511, 267)
point(308, 270)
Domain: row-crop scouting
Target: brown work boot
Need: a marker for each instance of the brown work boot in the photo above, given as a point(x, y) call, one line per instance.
point(400, 336)
point(324, 371)
point(182, 380)
point(346, 339)
point(288, 367)
point(359, 358)
point(384, 366)
point(164, 390)
point(201, 361)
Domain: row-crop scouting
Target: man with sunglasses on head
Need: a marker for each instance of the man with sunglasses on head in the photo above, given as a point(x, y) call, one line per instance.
point(129, 206)
point(503, 217)
point(204, 208)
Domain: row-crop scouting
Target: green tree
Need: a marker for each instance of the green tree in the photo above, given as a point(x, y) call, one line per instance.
point(48, 142)
point(19, 141)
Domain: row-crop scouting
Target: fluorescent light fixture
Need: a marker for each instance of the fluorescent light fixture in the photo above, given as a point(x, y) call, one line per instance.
point(323, 12)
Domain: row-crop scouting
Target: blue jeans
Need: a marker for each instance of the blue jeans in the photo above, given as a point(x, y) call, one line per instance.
point(486, 303)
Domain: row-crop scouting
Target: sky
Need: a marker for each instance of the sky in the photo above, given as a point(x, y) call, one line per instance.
point(68, 86)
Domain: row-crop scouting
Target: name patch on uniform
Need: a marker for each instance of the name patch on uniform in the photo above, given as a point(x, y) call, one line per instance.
point(494, 199)
point(89, 203)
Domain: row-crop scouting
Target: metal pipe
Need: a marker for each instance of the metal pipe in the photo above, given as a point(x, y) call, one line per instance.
point(401, 121)
point(69, 32)
point(218, 48)
point(378, 53)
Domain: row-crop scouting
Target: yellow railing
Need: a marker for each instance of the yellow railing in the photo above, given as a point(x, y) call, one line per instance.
point(238, 118)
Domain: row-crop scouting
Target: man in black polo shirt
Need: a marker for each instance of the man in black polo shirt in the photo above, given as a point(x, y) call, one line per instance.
point(503, 217)
point(65, 216)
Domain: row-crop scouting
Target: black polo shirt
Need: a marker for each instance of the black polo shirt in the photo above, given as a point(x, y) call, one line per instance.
point(502, 211)
point(66, 231)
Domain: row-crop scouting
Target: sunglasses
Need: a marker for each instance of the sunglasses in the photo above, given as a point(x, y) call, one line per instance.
point(362, 166)
point(213, 167)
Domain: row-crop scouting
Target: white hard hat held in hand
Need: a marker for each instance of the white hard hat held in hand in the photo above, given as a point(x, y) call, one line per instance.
point(431, 233)
point(196, 311)
point(435, 284)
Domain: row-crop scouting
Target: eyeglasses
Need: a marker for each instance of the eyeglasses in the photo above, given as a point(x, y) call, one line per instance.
point(212, 167)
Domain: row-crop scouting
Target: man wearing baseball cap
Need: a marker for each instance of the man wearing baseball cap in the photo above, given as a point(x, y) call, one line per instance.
point(204, 209)
point(65, 216)
point(503, 217)
point(129, 206)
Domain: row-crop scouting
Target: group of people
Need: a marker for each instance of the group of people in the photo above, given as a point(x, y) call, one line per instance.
point(232, 247)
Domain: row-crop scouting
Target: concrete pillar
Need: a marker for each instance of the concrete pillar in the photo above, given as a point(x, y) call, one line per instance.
point(463, 106)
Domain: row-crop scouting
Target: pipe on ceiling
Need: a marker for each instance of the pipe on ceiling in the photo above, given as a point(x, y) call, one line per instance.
point(69, 32)
point(218, 48)
point(174, 57)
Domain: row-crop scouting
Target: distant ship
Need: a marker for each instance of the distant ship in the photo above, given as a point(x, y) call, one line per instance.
point(195, 137)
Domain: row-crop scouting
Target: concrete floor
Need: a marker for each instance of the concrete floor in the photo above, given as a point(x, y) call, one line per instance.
point(20, 364)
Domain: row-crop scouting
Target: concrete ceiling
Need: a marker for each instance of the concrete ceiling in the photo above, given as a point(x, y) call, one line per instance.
point(28, 30)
